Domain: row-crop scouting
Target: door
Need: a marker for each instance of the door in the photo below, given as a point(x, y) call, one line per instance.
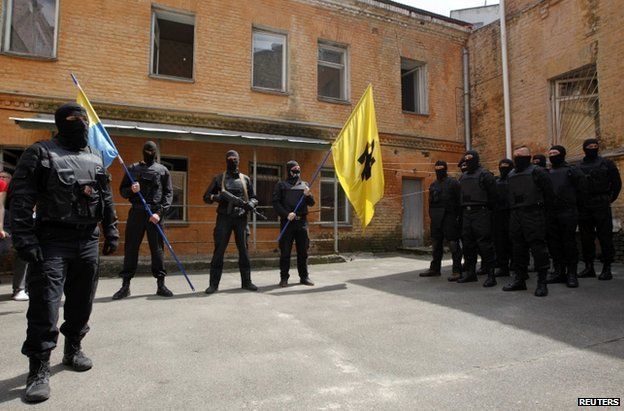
point(412, 213)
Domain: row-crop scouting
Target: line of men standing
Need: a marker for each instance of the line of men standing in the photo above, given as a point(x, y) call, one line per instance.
point(527, 208)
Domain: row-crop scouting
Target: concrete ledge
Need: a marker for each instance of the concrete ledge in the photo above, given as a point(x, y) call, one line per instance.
point(111, 266)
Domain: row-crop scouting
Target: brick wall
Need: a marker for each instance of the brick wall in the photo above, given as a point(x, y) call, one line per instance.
point(547, 39)
point(107, 44)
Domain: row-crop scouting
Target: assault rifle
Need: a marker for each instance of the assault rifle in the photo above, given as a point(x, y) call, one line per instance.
point(237, 206)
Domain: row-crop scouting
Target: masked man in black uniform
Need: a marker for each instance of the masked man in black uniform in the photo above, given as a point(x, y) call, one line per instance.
point(234, 193)
point(604, 185)
point(153, 180)
point(67, 183)
point(539, 160)
point(530, 195)
point(286, 196)
point(502, 243)
point(569, 184)
point(478, 195)
point(444, 211)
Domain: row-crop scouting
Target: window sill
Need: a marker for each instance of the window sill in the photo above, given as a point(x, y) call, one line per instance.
point(333, 100)
point(331, 225)
point(171, 78)
point(413, 113)
point(270, 91)
point(176, 224)
point(28, 56)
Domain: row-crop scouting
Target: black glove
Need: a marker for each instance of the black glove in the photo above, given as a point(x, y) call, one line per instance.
point(32, 254)
point(110, 246)
point(216, 197)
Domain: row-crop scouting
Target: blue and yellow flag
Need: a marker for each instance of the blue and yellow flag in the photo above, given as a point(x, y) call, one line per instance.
point(357, 159)
point(98, 136)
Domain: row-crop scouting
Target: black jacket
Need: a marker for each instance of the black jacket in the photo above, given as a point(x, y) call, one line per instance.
point(156, 186)
point(286, 195)
point(233, 184)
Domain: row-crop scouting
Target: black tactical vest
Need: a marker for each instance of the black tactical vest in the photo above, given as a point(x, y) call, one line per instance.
point(502, 189)
point(563, 186)
point(472, 193)
point(291, 194)
point(597, 173)
point(150, 181)
point(440, 194)
point(74, 186)
point(523, 191)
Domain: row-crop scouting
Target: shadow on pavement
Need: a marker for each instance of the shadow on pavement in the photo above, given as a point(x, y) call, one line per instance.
point(14, 387)
point(312, 290)
point(588, 317)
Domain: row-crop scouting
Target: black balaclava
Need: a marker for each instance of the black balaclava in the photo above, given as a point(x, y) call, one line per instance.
point(522, 162)
point(293, 169)
point(73, 134)
point(559, 159)
point(539, 160)
point(504, 167)
point(232, 164)
point(473, 163)
point(441, 173)
point(150, 150)
point(462, 165)
point(590, 154)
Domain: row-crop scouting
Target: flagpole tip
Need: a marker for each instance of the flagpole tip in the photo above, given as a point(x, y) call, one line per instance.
point(74, 79)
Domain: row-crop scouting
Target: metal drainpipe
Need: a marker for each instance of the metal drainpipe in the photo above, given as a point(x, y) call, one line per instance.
point(506, 99)
point(467, 130)
point(255, 178)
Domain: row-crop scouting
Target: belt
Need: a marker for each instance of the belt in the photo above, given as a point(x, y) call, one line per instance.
point(58, 224)
point(475, 207)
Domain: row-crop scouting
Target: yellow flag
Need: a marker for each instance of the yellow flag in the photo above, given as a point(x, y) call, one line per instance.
point(357, 159)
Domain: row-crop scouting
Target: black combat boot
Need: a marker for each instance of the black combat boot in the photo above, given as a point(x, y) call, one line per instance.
point(468, 276)
point(588, 271)
point(491, 278)
point(516, 284)
point(162, 289)
point(430, 273)
point(246, 283)
point(124, 291)
point(571, 280)
point(306, 281)
point(283, 282)
point(212, 289)
point(542, 288)
point(606, 275)
point(558, 274)
point(74, 357)
point(38, 381)
point(454, 277)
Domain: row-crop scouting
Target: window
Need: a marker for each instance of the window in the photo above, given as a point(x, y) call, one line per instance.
point(327, 199)
point(269, 61)
point(414, 86)
point(576, 115)
point(267, 177)
point(31, 27)
point(332, 72)
point(9, 158)
point(178, 168)
point(173, 38)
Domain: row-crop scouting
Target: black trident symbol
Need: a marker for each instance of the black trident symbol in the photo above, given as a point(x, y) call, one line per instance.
point(368, 160)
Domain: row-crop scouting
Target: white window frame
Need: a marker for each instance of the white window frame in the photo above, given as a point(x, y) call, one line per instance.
point(345, 68)
point(421, 101)
point(185, 196)
point(284, 59)
point(6, 32)
point(177, 16)
point(558, 98)
point(269, 205)
point(347, 212)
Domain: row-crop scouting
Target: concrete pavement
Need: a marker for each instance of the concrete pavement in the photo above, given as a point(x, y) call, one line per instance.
point(370, 335)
